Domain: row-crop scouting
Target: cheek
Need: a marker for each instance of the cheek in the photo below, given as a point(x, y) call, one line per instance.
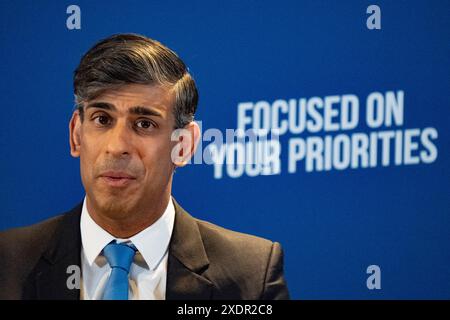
point(87, 161)
point(157, 158)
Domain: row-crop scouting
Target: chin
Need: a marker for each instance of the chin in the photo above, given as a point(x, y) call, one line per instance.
point(115, 206)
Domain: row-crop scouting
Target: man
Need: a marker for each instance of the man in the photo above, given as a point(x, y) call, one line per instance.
point(128, 238)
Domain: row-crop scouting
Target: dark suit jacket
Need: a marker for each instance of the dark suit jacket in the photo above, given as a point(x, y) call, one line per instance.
point(205, 261)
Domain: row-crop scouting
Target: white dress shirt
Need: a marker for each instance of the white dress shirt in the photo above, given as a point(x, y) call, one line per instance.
point(148, 272)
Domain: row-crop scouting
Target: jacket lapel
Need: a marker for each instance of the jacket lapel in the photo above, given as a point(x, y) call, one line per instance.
point(187, 261)
point(51, 278)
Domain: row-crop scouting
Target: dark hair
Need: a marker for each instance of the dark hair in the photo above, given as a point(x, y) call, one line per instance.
point(134, 59)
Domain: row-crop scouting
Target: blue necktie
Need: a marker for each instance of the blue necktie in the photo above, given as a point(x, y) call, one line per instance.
point(119, 256)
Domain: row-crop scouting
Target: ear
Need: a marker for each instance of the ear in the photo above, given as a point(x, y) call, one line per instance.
point(75, 134)
point(187, 141)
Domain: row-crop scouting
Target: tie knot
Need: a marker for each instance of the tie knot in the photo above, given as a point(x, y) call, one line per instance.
point(119, 255)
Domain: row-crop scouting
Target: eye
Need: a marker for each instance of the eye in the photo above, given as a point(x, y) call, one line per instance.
point(144, 124)
point(101, 120)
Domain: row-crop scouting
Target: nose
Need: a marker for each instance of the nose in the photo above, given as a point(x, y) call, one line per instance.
point(119, 141)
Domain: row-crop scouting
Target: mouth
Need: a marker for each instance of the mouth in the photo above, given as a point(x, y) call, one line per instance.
point(117, 179)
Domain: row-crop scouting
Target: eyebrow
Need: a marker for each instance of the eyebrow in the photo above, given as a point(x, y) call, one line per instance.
point(136, 110)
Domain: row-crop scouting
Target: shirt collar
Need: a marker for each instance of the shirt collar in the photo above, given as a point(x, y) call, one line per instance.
point(152, 242)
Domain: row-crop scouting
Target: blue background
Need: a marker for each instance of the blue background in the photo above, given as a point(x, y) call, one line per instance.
point(332, 225)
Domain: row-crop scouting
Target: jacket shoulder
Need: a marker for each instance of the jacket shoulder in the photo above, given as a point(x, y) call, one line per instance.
point(21, 247)
point(243, 263)
point(226, 239)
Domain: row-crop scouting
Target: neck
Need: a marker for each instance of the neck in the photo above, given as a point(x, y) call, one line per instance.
point(127, 223)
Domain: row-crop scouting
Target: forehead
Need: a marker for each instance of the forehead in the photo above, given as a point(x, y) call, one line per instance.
point(157, 97)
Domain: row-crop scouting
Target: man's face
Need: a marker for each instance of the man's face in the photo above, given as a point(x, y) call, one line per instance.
point(124, 145)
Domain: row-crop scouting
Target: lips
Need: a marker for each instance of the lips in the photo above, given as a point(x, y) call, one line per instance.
point(117, 178)
point(117, 174)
